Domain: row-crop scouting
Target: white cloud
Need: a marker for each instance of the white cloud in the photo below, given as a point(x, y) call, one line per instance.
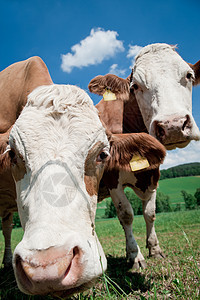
point(182, 156)
point(132, 52)
point(115, 70)
point(95, 48)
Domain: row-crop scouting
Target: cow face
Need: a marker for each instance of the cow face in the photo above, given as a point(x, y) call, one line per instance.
point(58, 151)
point(162, 83)
point(156, 98)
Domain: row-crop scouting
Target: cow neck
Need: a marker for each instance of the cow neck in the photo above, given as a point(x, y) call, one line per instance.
point(111, 113)
point(121, 116)
point(132, 117)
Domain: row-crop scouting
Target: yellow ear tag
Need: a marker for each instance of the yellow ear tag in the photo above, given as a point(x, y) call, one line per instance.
point(109, 96)
point(138, 163)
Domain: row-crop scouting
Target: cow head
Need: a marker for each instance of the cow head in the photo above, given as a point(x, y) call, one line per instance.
point(162, 82)
point(57, 152)
point(156, 98)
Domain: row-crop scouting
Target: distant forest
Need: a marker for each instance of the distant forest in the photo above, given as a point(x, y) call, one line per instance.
point(192, 169)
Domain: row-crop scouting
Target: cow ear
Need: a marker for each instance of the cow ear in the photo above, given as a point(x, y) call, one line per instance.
point(196, 69)
point(111, 112)
point(117, 85)
point(5, 158)
point(124, 147)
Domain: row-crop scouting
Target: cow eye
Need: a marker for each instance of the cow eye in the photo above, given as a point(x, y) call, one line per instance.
point(102, 156)
point(135, 86)
point(13, 156)
point(189, 76)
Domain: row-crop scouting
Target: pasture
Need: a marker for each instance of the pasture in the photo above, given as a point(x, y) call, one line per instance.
point(173, 187)
point(176, 277)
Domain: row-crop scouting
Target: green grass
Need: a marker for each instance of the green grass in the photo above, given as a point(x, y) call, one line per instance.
point(176, 277)
point(100, 213)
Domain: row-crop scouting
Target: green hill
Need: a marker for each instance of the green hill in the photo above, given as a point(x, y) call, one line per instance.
point(191, 169)
point(173, 187)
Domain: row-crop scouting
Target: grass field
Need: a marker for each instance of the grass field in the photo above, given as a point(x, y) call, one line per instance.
point(176, 277)
point(173, 187)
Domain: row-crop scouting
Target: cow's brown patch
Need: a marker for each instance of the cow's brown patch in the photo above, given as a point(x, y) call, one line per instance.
point(196, 68)
point(19, 169)
point(111, 112)
point(110, 179)
point(122, 115)
point(132, 117)
point(93, 169)
point(5, 160)
point(16, 82)
point(146, 178)
point(91, 185)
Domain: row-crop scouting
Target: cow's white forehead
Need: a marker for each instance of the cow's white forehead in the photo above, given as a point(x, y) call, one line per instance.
point(60, 120)
point(157, 63)
point(58, 98)
point(154, 48)
point(159, 58)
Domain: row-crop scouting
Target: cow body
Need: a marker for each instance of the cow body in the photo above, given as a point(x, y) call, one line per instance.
point(24, 77)
point(156, 98)
point(16, 82)
point(56, 151)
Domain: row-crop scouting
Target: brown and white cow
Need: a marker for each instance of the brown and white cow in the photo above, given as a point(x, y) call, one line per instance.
point(57, 151)
point(156, 98)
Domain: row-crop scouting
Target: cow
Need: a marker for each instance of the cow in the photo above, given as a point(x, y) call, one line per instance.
point(56, 151)
point(157, 99)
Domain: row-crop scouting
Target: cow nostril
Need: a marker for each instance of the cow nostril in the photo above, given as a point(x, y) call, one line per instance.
point(186, 124)
point(75, 251)
point(23, 276)
point(159, 131)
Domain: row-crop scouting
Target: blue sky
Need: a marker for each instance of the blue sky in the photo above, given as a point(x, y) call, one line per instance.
point(61, 32)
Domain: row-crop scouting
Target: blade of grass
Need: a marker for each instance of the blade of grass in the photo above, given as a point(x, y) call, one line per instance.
point(111, 282)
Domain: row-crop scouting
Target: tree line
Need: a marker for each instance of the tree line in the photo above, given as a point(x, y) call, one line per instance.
point(191, 169)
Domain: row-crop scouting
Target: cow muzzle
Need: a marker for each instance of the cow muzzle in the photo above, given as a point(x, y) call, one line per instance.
point(175, 131)
point(50, 271)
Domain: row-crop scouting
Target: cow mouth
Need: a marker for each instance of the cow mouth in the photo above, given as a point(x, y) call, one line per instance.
point(69, 292)
point(172, 146)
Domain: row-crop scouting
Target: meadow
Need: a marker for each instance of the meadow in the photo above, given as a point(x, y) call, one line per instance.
point(175, 277)
point(173, 187)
